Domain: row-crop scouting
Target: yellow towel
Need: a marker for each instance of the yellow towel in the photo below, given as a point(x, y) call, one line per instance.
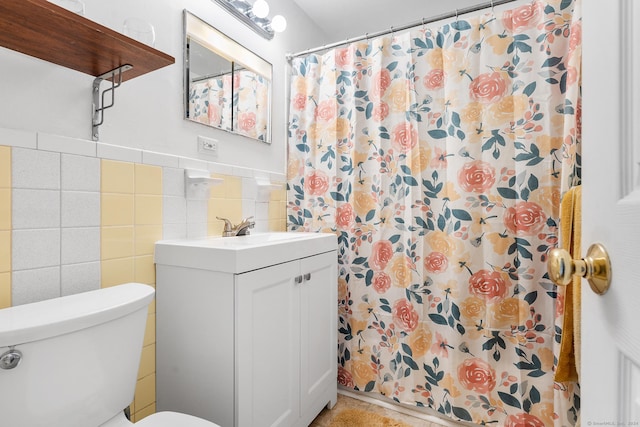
point(570, 232)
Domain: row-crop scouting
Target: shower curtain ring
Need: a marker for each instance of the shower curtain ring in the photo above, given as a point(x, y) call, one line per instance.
point(456, 15)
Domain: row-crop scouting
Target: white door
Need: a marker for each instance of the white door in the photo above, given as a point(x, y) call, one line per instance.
point(611, 210)
point(318, 331)
point(268, 346)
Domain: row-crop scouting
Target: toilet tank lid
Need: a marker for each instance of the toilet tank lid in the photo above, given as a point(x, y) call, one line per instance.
point(45, 319)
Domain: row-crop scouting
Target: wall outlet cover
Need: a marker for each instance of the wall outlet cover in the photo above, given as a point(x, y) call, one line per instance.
point(208, 146)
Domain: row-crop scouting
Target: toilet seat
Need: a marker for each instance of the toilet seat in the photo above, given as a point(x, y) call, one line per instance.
point(173, 419)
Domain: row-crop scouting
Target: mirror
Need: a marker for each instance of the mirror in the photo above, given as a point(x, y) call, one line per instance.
point(226, 85)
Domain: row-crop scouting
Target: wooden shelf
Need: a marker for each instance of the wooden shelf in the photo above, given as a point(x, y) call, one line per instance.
point(44, 30)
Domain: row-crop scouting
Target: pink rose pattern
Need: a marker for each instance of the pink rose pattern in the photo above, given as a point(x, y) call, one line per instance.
point(405, 317)
point(488, 284)
point(525, 218)
point(477, 375)
point(434, 79)
point(381, 253)
point(450, 196)
point(436, 262)
point(488, 88)
point(476, 177)
point(404, 137)
point(316, 183)
point(344, 216)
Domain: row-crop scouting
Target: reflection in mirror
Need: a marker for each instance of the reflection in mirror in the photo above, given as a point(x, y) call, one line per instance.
point(209, 81)
point(226, 85)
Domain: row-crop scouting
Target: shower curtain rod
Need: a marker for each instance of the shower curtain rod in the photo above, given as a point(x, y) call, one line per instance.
point(423, 21)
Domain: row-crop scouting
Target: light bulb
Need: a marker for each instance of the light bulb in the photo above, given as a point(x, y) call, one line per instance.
point(278, 23)
point(260, 8)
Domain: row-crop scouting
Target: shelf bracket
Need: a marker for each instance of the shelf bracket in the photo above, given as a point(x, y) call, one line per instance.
point(99, 105)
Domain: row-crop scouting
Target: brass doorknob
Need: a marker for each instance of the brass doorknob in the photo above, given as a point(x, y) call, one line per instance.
point(595, 267)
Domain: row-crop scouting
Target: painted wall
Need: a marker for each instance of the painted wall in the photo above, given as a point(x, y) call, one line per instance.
point(148, 114)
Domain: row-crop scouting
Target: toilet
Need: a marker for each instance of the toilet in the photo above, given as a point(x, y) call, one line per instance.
point(73, 361)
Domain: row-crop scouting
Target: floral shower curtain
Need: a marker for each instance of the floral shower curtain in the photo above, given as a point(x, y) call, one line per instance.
point(438, 157)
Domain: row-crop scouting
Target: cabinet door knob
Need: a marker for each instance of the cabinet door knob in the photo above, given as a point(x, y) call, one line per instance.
point(298, 280)
point(307, 276)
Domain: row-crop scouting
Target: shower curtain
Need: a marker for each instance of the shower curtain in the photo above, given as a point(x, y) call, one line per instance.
point(438, 156)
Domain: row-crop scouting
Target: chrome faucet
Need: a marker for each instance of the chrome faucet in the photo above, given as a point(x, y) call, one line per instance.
point(241, 229)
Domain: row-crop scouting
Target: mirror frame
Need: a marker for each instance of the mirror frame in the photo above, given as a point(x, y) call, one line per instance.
point(219, 43)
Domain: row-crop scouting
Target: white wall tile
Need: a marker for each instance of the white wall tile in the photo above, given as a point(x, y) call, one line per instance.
point(248, 208)
point(35, 248)
point(63, 144)
point(80, 173)
point(35, 208)
point(262, 211)
point(80, 245)
point(76, 278)
point(278, 178)
point(249, 188)
point(80, 209)
point(35, 285)
point(187, 163)
point(174, 231)
point(197, 211)
point(116, 152)
point(173, 182)
point(159, 159)
point(243, 172)
point(262, 176)
point(220, 168)
point(18, 138)
point(262, 226)
point(174, 210)
point(197, 230)
point(35, 169)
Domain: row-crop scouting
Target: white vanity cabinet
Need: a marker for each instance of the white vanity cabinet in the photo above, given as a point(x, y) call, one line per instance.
point(253, 347)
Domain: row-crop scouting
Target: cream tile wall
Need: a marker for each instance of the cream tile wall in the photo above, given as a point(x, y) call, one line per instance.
point(5, 227)
point(225, 201)
point(77, 215)
point(277, 213)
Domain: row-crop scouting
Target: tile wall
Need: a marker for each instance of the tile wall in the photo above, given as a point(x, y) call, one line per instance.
point(77, 215)
point(5, 227)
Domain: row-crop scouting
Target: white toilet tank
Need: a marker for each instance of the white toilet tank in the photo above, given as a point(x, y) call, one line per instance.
point(80, 357)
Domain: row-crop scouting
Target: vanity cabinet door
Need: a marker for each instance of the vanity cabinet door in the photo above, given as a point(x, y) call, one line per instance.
point(268, 346)
point(318, 322)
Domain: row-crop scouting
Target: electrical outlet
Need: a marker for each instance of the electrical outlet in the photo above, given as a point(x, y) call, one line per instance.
point(208, 146)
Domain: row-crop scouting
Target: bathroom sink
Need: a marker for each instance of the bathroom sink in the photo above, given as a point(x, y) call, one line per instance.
point(242, 253)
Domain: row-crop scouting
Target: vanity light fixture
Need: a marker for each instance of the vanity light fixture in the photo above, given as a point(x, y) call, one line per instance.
point(255, 16)
point(278, 23)
point(260, 9)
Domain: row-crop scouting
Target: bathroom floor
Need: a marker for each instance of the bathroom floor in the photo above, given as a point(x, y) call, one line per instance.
point(346, 402)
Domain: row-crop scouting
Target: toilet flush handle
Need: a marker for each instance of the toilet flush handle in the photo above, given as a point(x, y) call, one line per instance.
point(10, 358)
